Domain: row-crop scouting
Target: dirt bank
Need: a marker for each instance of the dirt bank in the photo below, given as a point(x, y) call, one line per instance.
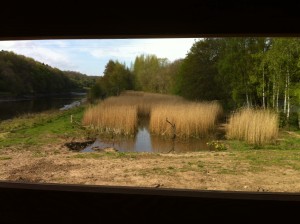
point(198, 170)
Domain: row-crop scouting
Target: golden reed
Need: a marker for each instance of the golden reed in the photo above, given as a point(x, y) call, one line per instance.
point(190, 119)
point(120, 114)
point(256, 126)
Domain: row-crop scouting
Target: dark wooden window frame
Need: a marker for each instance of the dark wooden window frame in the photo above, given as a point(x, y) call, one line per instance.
point(27, 202)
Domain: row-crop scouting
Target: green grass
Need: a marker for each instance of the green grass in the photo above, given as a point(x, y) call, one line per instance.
point(284, 142)
point(5, 158)
point(88, 156)
point(40, 129)
point(227, 171)
point(39, 154)
point(169, 171)
point(279, 158)
point(112, 155)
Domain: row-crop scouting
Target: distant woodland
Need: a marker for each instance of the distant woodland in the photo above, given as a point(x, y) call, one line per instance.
point(20, 75)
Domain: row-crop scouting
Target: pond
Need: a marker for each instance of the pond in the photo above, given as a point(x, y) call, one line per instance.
point(144, 141)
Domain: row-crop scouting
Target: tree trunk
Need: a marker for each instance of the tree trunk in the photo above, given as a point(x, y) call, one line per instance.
point(263, 93)
point(285, 95)
point(269, 95)
point(247, 96)
point(277, 99)
point(299, 119)
point(274, 94)
point(247, 99)
point(288, 95)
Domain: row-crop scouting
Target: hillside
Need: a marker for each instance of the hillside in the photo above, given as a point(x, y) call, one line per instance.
point(20, 75)
point(82, 81)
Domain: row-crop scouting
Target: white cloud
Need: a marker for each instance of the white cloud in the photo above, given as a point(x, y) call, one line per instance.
point(43, 52)
point(128, 49)
point(98, 53)
point(90, 56)
point(166, 48)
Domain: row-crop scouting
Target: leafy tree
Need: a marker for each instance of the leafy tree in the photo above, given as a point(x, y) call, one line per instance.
point(153, 74)
point(239, 72)
point(284, 59)
point(198, 77)
point(146, 71)
point(117, 78)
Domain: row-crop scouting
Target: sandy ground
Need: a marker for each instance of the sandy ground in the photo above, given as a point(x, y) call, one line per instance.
point(198, 170)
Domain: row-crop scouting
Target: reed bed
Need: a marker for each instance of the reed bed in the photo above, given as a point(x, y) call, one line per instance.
point(185, 119)
point(143, 101)
point(120, 114)
point(255, 126)
point(116, 119)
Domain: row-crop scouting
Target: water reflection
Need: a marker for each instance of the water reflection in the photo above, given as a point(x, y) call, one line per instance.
point(10, 109)
point(145, 142)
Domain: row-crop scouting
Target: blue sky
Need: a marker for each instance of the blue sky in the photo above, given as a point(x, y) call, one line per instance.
point(91, 56)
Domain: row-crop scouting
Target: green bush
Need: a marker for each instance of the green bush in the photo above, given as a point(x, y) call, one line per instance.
point(217, 145)
point(292, 122)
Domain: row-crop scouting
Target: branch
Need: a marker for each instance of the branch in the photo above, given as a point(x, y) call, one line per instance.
point(174, 128)
point(173, 125)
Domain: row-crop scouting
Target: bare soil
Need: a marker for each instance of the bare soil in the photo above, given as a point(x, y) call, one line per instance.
point(197, 170)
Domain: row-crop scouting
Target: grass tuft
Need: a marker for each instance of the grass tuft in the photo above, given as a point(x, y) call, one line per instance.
point(255, 126)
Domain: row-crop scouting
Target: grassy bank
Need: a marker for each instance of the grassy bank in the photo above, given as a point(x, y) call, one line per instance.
point(33, 130)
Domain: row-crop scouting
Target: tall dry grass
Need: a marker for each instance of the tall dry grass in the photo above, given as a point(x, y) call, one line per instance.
point(120, 114)
point(190, 119)
point(144, 102)
point(110, 118)
point(256, 126)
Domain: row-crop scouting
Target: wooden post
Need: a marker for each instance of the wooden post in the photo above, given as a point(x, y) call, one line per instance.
point(71, 118)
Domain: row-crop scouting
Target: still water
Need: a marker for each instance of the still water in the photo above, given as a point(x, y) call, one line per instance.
point(145, 142)
point(10, 109)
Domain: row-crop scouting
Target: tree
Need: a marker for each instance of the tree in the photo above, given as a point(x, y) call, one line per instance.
point(199, 77)
point(284, 57)
point(146, 71)
point(117, 78)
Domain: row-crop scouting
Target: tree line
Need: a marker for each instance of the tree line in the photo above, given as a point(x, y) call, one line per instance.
point(148, 73)
point(20, 75)
point(252, 71)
